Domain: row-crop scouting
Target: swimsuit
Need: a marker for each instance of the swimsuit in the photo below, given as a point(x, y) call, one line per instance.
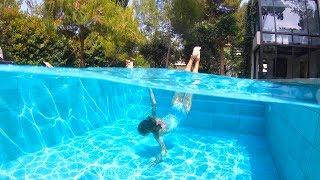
point(177, 114)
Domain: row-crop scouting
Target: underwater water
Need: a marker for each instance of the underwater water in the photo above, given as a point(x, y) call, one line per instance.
point(116, 152)
point(71, 123)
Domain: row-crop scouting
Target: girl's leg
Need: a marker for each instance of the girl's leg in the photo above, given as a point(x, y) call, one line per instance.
point(196, 65)
point(178, 97)
point(188, 97)
point(189, 65)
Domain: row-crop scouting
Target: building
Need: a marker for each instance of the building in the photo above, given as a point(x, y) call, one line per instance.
point(180, 65)
point(286, 41)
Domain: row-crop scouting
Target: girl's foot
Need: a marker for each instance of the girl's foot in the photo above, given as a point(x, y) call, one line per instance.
point(196, 53)
point(177, 99)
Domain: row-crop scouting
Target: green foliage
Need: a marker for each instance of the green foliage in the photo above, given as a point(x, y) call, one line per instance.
point(9, 4)
point(98, 53)
point(123, 3)
point(106, 33)
point(173, 26)
point(140, 61)
point(200, 23)
point(153, 16)
point(104, 52)
point(70, 32)
point(234, 62)
point(185, 14)
point(27, 40)
point(247, 41)
point(155, 51)
point(162, 47)
point(113, 26)
point(235, 52)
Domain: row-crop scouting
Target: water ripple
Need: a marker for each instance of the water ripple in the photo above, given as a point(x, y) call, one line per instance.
point(117, 152)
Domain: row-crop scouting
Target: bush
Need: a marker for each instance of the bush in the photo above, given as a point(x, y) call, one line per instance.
point(27, 40)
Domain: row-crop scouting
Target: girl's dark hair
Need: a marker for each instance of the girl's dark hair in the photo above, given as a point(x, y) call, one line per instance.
point(147, 126)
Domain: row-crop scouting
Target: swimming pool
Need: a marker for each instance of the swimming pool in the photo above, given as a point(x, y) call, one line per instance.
point(72, 123)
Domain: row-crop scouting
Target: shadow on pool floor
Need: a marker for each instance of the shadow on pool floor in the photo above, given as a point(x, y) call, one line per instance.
point(118, 152)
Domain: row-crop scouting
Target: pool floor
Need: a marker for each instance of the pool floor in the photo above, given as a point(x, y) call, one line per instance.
point(118, 152)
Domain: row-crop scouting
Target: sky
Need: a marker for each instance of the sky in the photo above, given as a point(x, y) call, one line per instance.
point(243, 1)
point(24, 7)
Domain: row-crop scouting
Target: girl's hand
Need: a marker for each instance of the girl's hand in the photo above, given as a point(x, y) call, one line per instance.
point(157, 161)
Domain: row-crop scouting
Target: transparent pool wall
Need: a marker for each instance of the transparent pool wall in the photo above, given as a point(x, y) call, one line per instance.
point(39, 111)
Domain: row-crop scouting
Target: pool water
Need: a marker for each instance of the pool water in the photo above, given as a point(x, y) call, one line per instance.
point(116, 152)
point(82, 123)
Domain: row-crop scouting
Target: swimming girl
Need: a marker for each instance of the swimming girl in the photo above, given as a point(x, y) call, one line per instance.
point(181, 104)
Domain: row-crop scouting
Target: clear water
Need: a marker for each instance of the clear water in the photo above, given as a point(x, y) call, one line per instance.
point(71, 123)
point(116, 152)
point(181, 81)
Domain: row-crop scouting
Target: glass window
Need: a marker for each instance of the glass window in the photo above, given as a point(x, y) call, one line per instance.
point(290, 16)
point(304, 69)
point(267, 16)
point(314, 63)
point(265, 67)
point(268, 38)
point(300, 59)
point(315, 41)
point(267, 3)
point(284, 54)
point(284, 39)
point(313, 17)
point(301, 40)
point(269, 55)
point(256, 64)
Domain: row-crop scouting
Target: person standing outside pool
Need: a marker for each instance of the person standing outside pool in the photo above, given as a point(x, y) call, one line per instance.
point(1, 55)
point(181, 105)
point(129, 63)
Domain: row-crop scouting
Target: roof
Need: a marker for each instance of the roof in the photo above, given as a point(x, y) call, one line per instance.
point(6, 62)
point(180, 63)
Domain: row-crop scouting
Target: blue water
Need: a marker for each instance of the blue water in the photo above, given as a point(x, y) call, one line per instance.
point(181, 81)
point(72, 123)
point(116, 152)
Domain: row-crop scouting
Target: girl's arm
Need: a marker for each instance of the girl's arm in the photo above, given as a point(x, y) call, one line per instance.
point(162, 147)
point(153, 103)
point(159, 139)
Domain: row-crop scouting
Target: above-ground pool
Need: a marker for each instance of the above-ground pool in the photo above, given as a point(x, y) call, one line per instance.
point(71, 123)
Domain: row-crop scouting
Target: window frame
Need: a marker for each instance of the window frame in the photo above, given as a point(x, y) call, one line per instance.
point(276, 32)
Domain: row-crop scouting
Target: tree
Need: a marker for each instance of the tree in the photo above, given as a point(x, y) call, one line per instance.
point(235, 59)
point(27, 40)
point(208, 23)
point(78, 19)
point(123, 3)
point(248, 38)
point(155, 50)
point(162, 45)
point(185, 14)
